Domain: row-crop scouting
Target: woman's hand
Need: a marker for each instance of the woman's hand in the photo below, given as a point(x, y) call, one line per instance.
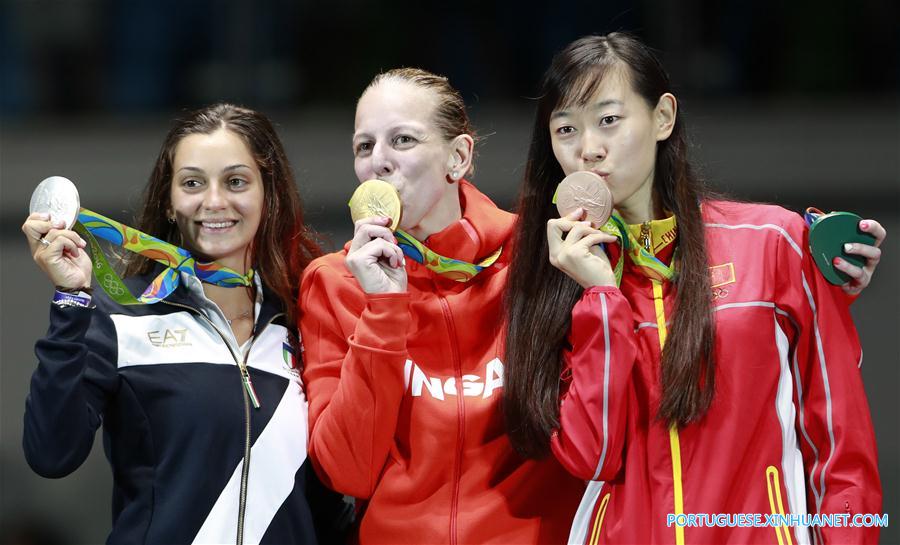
point(58, 252)
point(861, 276)
point(375, 259)
point(574, 249)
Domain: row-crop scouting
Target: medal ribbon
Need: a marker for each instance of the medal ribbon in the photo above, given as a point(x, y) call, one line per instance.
point(177, 260)
point(812, 215)
point(454, 269)
point(644, 260)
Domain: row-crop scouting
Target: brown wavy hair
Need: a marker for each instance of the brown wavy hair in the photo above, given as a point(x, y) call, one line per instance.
point(283, 244)
point(539, 298)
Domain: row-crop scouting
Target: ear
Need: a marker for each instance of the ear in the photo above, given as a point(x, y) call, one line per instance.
point(664, 116)
point(459, 162)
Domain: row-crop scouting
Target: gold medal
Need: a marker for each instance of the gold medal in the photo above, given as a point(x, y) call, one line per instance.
point(376, 198)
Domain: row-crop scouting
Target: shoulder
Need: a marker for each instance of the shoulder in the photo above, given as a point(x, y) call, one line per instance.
point(329, 267)
point(751, 213)
point(326, 280)
point(773, 221)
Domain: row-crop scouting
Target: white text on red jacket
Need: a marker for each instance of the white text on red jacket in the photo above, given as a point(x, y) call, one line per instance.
point(472, 385)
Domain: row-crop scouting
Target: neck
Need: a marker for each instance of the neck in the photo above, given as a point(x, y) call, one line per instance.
point(235, 300)
point(444, 213)
point(239, 262)
point(642, 206)
point(232, 301)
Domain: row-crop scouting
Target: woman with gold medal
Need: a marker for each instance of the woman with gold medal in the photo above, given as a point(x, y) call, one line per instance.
point(403, 339)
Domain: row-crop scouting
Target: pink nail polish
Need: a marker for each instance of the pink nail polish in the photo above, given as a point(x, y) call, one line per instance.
point(864, 225)
point(836, 261)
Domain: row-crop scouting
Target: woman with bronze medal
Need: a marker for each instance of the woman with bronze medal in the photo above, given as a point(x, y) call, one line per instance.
point(194, 381)
point(691, 358)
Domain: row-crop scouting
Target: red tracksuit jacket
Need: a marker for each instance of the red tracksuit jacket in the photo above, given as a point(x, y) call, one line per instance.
point(788, 432)
point(404, 393)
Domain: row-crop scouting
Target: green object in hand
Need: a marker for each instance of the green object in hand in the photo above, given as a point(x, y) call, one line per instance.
point(827, 235)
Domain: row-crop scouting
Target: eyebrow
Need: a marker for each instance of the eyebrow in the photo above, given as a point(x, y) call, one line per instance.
point(419, 131)
point(409, 127)
point(597, 106)
point(226, 169)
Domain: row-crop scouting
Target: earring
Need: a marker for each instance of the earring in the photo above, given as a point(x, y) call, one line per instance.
point(455, 174)
point(171, 219)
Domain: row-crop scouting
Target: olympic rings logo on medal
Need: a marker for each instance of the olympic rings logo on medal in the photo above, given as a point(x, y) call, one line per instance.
point(720, 293)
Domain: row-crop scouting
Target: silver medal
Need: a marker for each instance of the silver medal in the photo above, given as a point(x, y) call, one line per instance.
point(58, 197)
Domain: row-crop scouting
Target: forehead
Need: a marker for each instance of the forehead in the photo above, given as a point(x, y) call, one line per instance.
point(219, 146)
point(393, 101)
point(612, 84)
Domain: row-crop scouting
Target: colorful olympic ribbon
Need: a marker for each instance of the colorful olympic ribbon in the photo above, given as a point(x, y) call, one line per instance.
point(643, 259)
point(812, 214)
point(454, 269)
point(176, 260)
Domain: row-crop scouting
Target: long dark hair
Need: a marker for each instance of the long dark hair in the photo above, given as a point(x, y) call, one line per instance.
point(539, 297)
point(283, 244)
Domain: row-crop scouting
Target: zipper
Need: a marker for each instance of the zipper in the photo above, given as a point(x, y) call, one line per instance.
point(645, 239)
point(250, 398)
point(461, 411)
point(245, 471)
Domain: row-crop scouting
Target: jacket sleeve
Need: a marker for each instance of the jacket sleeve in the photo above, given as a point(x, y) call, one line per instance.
point(834, 427)
point(591, 436)
point(332, 516)
point(353, 370)
point(70, 389)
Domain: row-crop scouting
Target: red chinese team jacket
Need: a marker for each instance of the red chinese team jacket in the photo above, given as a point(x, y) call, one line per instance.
point(789, 431)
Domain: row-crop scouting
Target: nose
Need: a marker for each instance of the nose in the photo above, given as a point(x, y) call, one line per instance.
point(381, 161)
point(593, 147)
point(214, 197)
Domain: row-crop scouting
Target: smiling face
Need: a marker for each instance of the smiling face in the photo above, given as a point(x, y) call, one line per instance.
point(396, 139)
point(615, 135)
point(217, 197)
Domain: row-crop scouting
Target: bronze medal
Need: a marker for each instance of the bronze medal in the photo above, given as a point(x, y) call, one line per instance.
point(584, 189)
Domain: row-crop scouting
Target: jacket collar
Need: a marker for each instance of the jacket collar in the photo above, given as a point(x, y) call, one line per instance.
point(482, 229)
point(184, 294)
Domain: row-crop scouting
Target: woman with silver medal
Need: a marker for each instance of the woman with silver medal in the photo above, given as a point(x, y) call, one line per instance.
point(195, 381)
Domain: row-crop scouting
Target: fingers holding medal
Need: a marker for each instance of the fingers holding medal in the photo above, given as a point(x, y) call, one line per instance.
point(55, 248)
point(374, 257)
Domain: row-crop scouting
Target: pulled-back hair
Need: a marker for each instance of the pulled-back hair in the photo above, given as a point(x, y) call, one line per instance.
point(450, 114)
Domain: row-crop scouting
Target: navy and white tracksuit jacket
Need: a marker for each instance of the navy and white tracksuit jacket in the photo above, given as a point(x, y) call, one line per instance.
point(178, 426)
